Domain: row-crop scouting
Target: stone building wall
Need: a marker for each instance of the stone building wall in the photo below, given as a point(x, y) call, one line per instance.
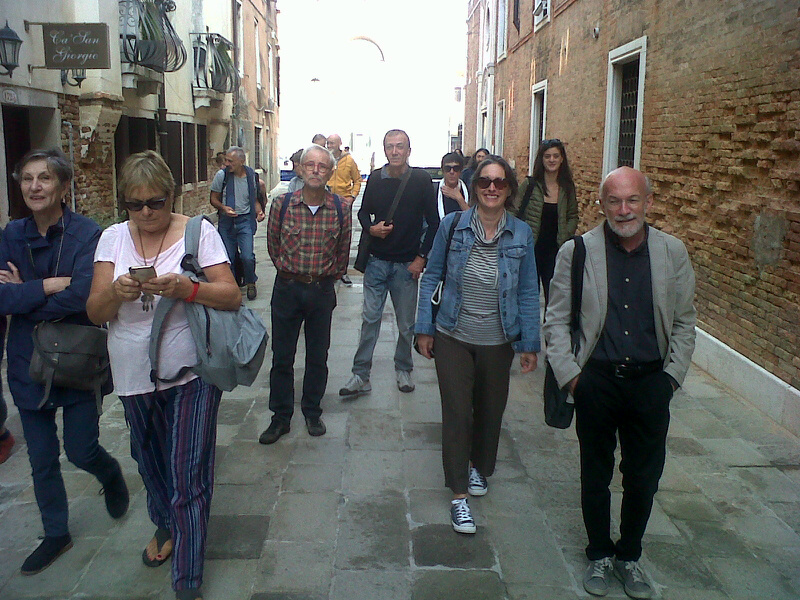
point(721, 142)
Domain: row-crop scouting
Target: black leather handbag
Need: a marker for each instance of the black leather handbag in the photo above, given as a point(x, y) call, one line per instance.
point(71, 356)
point(558, 406)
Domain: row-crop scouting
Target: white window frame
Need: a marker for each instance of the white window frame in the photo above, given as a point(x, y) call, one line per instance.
point(487, 38)
point(502, 28)
point(535, 139)
point(240, 38)
point(483, 125)
point(616, 59)
point(499, 127)
point(543, 17)
point(258, 53)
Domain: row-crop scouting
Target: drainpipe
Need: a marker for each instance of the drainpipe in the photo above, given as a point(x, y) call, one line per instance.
point(72, 160)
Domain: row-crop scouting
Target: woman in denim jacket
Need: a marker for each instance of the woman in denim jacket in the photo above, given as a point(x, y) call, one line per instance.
point(488, 310)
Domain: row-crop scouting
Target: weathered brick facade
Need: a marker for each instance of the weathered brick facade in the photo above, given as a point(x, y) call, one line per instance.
point(720, 140)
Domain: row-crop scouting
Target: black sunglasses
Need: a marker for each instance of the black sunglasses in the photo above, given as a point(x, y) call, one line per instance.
point(553, 142)
point(152, 204)
point(448, 168)
point(483, 183)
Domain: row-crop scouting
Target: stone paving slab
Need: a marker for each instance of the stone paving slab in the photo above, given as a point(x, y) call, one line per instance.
point(362, 513)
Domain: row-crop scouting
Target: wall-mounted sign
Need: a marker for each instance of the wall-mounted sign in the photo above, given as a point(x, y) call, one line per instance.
point(76, 46)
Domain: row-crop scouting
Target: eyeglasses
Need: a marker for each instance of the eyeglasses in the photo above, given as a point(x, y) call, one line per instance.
point(448, 168)
point(483, 183)
point(553, 142)
point(152, 204)
point(321, 167)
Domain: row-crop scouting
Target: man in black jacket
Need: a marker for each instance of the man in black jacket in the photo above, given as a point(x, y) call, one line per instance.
point(396, 260)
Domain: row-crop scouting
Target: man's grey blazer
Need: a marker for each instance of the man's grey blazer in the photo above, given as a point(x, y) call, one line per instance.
point(673, 295)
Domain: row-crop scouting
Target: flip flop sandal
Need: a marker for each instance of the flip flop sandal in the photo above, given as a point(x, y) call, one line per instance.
point(162, 536)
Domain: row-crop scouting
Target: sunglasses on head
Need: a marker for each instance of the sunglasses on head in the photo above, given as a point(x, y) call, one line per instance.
point(483, 183)
point(152, 204)
point(553, 142)
point(448, 168)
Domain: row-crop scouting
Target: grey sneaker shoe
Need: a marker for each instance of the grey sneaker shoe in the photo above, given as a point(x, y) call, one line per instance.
point(632, 577)
point(597, 576)
point(355, 386)
point(477, 486)
point(461, 516)
point(404, 382)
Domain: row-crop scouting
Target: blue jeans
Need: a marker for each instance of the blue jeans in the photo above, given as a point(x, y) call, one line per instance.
point(238, 232)
point(81, 431)
point(380, 278)
point(295, 304)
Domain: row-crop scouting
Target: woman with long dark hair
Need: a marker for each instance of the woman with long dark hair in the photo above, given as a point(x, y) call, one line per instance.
point(477, 158)
point(547, 202)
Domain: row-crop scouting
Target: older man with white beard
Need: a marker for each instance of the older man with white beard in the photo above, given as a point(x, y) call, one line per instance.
point(637, 335)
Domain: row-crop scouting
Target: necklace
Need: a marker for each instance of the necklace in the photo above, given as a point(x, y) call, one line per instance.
point(147, 298)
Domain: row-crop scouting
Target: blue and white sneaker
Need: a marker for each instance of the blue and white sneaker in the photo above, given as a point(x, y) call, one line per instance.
point(461, 516)
point(477, 486)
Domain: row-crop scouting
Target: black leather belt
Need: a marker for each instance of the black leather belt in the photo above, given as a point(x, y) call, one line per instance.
point(625, 371)
point(303, 277)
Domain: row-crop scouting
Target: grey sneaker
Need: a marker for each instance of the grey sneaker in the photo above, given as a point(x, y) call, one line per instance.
point(355, 386)
point(404, 381)
point(461, 516)
point(477, 485)
point(597, 576)
point(632, 577)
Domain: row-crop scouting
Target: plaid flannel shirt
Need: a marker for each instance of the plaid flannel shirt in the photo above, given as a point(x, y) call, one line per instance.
point(308, 243)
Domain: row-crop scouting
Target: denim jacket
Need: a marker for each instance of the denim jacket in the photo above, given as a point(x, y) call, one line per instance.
point(518, 282)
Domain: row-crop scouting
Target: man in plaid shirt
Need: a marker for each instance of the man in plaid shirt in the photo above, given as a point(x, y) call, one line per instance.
point(308, 238)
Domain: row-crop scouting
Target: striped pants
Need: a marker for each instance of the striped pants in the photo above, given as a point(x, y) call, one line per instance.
point(177, 467)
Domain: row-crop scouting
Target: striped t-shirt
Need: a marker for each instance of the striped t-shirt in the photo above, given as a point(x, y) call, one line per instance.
point(478, 320)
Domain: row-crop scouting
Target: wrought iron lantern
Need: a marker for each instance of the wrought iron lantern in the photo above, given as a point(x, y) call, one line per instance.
point(9, 49)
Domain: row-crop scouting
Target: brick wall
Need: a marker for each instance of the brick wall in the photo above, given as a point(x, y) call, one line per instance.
point(721, 142)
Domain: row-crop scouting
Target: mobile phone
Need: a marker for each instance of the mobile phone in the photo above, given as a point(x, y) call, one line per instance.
point(142, 274)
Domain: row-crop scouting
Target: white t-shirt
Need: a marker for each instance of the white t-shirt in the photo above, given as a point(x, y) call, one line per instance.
point(129, 331)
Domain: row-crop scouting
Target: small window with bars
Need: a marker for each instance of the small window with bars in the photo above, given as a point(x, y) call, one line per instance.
point(626, 148)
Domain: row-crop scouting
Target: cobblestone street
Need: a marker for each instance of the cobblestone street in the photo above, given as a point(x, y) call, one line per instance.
point(362, 513)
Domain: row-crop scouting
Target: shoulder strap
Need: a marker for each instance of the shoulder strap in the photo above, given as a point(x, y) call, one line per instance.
point(403, 181)
point(526, 199)
point(284, 207)
point(450, 233)
point(338, 204)
point(578, 262)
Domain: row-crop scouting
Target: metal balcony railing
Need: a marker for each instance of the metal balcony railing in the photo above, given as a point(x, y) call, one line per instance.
point(147, 37)
point(213, 66)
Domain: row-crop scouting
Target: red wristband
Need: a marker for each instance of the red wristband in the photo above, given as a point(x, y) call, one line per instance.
point(195, 287)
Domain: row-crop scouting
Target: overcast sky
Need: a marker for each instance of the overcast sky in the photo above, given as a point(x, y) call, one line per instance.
point(424, 48)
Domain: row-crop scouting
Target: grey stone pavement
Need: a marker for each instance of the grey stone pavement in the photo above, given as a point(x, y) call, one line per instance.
point(362, 513)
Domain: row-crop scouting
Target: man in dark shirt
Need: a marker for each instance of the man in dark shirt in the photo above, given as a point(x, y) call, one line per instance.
point(308, 239)
point(637, 335)
point(396, 258)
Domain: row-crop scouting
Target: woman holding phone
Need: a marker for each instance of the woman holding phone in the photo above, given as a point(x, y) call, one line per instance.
point(45, 274)
point(173, 425)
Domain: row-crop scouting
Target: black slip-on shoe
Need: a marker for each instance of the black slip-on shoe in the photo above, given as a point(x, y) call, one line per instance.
point(45, 555)
point(274, 432)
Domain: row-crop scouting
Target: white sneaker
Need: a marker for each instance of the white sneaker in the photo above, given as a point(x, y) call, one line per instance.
point(597, 577)
point(355, 386)
point(629, 572)
point(404, 381)
point(461, 516)
point(477, 486)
